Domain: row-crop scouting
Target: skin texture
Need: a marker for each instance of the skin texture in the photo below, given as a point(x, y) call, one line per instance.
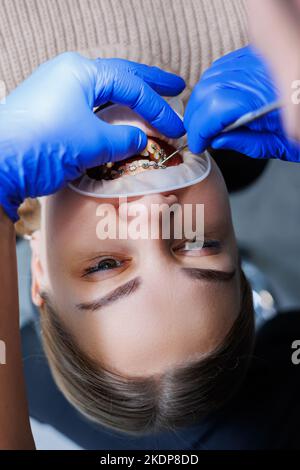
point(169, 317)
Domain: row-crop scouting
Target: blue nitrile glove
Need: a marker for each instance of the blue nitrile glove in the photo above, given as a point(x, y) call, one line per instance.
point(235, 84)
point(49, 134)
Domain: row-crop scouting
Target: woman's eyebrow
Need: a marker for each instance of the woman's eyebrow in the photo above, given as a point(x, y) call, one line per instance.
point(122, 291)
point(131, 286)
point(210, 275)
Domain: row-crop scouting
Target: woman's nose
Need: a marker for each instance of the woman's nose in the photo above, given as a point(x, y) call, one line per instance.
point(148, 206)
point(165, 198)
point(152, 203)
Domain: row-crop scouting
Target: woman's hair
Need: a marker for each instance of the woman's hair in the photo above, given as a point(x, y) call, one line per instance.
point(181, 396)
point(29, 218)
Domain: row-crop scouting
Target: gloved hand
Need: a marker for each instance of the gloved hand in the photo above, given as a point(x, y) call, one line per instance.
point(49, 134)
point(235, 84)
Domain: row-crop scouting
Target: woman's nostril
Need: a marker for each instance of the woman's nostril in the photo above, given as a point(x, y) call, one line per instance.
point(170, 197)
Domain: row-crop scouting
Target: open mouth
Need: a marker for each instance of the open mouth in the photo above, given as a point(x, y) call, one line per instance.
point(152, 158)
point(152, 170)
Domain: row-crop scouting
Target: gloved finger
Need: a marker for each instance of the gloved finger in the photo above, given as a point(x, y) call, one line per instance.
point(214, 114)
point(130, 90)
point(103, 142)
point(224, 83)
point(163, 82)
point(238, 59)
point(254, 144)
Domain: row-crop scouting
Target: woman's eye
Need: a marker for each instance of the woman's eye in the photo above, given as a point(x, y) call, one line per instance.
point(108, 263)
point(104, 265)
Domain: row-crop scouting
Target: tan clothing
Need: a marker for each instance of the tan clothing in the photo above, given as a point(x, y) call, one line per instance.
point(182, 36)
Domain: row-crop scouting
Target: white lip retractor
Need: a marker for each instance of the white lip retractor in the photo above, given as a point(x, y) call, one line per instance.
point(195, 168)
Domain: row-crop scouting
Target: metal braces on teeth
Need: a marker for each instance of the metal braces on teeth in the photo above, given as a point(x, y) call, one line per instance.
point(146, 165)
point(157, 162)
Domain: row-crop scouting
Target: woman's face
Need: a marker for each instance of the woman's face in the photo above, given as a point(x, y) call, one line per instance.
point(139, 306)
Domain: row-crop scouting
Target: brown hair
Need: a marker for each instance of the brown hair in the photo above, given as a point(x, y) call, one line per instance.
point(30, 215)
point(182, 395)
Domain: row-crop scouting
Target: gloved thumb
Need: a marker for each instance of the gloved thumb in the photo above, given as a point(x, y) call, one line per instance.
point(103, 142)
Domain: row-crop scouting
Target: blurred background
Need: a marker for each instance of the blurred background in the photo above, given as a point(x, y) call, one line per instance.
point(266, 217)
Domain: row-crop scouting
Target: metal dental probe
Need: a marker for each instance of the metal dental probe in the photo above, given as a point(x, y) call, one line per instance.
point(245, 119)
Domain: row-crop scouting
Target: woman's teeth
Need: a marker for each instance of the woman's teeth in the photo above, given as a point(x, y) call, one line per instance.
point(151, 158)
point(153, 152)
point(156, 153)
